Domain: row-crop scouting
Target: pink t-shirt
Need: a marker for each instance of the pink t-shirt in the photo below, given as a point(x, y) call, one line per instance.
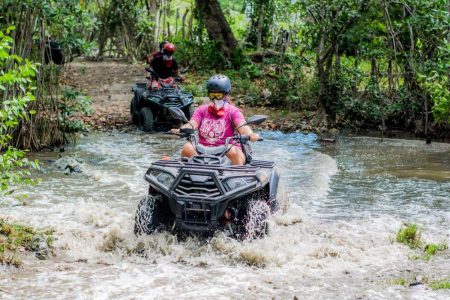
point(213, 130)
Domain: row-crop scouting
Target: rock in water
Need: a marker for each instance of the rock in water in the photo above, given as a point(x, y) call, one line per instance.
point(69, 165)
point(40, 247)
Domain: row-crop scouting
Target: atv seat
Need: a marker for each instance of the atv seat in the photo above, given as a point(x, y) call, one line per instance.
point(210, 150)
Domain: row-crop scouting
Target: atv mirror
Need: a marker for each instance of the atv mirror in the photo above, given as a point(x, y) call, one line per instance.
point(178, 114)
point(256, 119)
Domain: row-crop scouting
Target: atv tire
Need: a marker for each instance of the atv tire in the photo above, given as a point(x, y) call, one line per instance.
point(146, 119)
point(148, 216)
point(133, 112)
point(256, 222)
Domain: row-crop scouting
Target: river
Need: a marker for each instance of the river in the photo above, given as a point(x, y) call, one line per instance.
point(342, 205)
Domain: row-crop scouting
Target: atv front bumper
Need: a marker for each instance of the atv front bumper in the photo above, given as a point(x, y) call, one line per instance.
point(199, 197)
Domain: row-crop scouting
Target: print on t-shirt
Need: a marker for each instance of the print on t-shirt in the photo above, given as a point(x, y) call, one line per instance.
point(212, 130)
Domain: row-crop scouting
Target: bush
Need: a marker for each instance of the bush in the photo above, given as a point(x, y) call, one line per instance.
point(72, 103)
point(17, 79)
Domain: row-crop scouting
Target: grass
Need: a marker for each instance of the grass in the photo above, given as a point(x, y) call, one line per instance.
point(440, 284)
point(14, 237)
point(435, 284)
point(400, 281)
point(409, 235)
point(432, 249)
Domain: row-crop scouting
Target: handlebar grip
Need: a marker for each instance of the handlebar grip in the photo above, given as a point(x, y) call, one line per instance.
point(187, 130)
point(260, 139)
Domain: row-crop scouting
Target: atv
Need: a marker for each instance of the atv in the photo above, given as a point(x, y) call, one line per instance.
point(149, 108)
point(205, 193)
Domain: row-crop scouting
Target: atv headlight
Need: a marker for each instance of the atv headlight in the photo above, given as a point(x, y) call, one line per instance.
point(164, 178)
point(237, 182)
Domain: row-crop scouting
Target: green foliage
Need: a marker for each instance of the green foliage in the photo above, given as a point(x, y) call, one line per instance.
point(200, 56)
point(72, 104)
point(409, 235)
point(261, 17)
point(432, 249)
point(15, 236)
point(400, 281)
point(19, 75)
point(70, 22)
point(440, 284)
point(438, 87)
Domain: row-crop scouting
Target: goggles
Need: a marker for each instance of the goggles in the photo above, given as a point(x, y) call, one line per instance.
point(167, 52)
point(216, 95)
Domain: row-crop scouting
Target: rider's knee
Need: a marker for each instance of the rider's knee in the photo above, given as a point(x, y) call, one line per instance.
point(188, 150)
point(236, 156)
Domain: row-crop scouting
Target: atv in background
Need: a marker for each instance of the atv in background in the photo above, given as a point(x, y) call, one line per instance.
point(149, 108)
point(206, 193)
point(54, 52)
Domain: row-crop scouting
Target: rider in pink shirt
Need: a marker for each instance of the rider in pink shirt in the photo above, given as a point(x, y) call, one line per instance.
point(218, 120)
point(214, 129)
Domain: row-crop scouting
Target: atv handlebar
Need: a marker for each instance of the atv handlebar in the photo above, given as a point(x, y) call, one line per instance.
point(241, 138)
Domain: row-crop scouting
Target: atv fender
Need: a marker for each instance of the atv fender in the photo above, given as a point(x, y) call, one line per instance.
point(138, 89)
point(273, 188)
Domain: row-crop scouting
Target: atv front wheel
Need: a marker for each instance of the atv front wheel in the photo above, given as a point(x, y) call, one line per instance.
point(146, 119)
point(148, 216)
point(256, 222)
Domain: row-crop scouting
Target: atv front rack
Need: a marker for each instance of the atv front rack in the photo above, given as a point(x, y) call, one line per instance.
point(252, 167)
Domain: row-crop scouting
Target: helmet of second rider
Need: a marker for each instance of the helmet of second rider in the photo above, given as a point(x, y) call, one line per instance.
point(168, 50)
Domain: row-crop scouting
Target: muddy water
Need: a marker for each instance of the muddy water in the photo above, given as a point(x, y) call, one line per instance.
point(342, 205)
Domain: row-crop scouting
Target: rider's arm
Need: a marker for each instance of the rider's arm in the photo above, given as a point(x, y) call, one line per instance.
point(191, 124)
point(175, 70)
point(246, 130)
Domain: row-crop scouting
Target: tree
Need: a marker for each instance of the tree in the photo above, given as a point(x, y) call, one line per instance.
point(327, 23)
point(217, 26)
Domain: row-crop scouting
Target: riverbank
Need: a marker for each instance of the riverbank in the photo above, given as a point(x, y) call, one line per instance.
point(109, 84)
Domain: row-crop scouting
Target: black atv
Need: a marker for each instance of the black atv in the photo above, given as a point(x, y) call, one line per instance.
point(206, 193)
point(149, 108)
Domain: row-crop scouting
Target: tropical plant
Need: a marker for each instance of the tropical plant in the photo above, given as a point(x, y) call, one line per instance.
point(19, 76)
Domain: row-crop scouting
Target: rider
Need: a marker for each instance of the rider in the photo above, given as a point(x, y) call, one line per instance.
point(157, 53)
point(218, 120)
point(164, 64)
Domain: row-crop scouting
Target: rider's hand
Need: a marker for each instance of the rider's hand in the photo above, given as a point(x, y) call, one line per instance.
point(254, 137)
point(175, 130)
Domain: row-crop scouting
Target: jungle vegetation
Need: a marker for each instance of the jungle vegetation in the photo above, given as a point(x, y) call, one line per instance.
point(380, 64)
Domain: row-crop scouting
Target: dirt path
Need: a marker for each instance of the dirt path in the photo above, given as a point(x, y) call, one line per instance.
point(109, 84)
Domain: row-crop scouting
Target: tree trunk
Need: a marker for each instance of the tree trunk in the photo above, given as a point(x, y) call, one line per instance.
point(374, 79)
point(177, 16)
point(217, 26)
point(183, 23)
point(157, 23)
point(259, 29)
point(321, 117)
